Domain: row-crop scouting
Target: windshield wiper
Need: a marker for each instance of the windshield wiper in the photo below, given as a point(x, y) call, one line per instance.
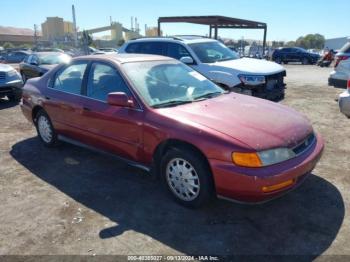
point(209, 95)
point(172, 103)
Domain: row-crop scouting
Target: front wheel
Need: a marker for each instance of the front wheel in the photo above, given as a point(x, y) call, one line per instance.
point(45, 129)
point(187, 177)
point(278, 60)
point(305, 61)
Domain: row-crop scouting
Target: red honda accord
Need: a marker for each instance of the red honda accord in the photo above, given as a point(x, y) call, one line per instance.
point(158, 114)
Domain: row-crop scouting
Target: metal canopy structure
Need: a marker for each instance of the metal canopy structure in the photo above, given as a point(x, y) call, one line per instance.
point(215, 22)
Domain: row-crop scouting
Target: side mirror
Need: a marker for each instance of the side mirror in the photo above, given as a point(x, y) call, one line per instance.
point(187, 60)
point(119, 99)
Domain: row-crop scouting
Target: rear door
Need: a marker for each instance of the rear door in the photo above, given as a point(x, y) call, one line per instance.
point(112, 128)
point(63, 99)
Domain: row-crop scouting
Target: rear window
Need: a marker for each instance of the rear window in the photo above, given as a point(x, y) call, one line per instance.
point(345, 48)
point(152, 48)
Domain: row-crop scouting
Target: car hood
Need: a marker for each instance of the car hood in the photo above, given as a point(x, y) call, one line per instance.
point(5, 68)
point(258, 123)
point(251, 66)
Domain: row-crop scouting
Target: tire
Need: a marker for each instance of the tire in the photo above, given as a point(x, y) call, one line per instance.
point(45, 129)
point(192, 194)
point(305, 61)
point(278, 60)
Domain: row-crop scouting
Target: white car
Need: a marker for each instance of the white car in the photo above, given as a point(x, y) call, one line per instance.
point(344, 101)
point(218, 63)
point(339, 77)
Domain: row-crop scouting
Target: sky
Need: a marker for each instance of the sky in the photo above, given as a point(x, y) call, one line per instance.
point(286, 20)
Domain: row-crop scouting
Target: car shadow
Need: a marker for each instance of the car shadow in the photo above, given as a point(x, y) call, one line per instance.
point(4, 103)
point(303, 222)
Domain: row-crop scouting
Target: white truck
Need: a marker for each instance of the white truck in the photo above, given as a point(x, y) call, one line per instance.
point(218, 63)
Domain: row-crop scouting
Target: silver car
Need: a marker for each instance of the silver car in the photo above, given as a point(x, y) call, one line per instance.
point(344, 101)
point(341, 73)
point(10, 83)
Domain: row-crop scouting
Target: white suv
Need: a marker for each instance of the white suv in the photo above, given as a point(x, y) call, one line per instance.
point(217, 62)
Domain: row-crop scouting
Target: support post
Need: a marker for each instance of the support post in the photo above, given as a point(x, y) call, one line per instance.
point(216, 32)
point(159, 31)
point(264, 43)
point(210, 31)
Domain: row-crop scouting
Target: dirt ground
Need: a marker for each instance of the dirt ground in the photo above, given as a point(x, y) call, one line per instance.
point(69, 200)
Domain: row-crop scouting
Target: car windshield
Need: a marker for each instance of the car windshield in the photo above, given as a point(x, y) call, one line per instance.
point(211, 52)
point(52, 59)
point(170, 83)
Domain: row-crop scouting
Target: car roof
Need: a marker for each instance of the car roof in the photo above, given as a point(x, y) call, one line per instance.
point(47, 53)
point(125, 58)
point(182, 39)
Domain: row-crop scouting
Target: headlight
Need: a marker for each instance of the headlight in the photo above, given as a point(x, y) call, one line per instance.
point(263, 158)
point(12, 73)
point(252, 80)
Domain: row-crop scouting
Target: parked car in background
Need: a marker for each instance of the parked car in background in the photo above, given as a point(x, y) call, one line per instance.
point(109, 50)
point(14, 56)
point(159, 114)
point(10, 83)
point(37, 64)
point(341, 73)
point(217, 62)
point(344, 101)
point(294, 54)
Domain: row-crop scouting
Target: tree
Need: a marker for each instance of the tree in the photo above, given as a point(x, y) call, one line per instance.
point(290, 44)
point(311, 41)
point(8, 45)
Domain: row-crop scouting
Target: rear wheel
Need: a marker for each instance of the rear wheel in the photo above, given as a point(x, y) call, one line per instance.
point(187, 177)
point(45, 129)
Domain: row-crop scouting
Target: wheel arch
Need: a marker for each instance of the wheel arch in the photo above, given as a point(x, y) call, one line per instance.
point(164, 146)
point(35, 111)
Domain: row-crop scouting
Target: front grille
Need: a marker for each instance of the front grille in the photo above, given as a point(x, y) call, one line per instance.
point(5, 90)
point(2, 77)
point(306, 144)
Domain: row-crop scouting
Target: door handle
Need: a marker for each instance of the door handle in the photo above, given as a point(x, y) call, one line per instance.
point(86, 109)
point(47, 97)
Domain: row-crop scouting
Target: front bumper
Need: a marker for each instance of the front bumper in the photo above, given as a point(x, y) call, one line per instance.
point(12, 87)
point(245, 184)
point(344, 103)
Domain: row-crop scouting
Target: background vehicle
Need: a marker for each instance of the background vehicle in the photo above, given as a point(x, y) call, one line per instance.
point(10, 83)
point(161, 115)
point(109, 50)
point(37, 64)
point(339, 77)
point(218, 63)
point(15, 56)
point(344, 101)
point(294, 54)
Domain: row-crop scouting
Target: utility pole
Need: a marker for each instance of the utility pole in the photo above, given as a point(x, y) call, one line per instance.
point(75, 27)
point(35, 36)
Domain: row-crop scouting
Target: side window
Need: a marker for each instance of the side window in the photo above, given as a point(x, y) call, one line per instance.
point(133, 48)
point(153, 48)
point(27, 59)
point(104, 79)
point(177, 51)
point(70, 78)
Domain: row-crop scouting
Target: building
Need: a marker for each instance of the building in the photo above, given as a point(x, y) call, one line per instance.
point(17, 36)
point(56, 29)
point(336, 43)
point(152, 31)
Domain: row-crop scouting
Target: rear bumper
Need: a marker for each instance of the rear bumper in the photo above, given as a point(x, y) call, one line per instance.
point(245, 184)
point(344, 103)
point(340, 83)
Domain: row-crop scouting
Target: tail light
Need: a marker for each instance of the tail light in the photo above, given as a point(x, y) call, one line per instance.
point(349, 84)
point(340, 58)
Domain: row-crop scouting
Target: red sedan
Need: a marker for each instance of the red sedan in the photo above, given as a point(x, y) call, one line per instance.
point(160, 115)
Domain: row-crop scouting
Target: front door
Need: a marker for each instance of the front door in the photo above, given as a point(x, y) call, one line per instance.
point(112, 128)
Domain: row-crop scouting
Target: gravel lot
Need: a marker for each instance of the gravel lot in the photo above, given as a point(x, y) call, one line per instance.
point(69, 200)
